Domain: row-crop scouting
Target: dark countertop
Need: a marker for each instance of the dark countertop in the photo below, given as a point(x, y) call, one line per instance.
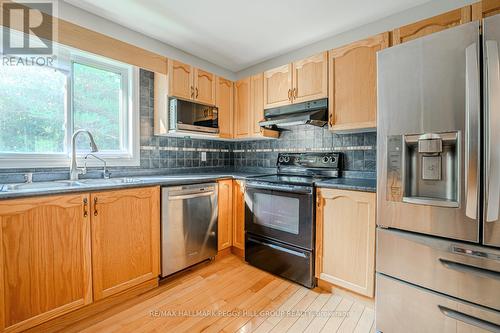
point(355, 184)
point(140, 181)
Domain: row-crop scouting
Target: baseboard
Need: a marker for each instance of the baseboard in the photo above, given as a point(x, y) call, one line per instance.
point(238, 252)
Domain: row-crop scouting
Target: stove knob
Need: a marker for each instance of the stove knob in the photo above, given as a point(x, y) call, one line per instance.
point(287, 159)
point(325, 159)
point(281, 159)
point(333, 159)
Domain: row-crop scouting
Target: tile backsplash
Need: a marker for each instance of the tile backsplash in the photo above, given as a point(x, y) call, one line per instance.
point(181, 153)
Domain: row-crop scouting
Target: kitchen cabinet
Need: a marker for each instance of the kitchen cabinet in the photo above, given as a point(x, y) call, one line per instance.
point(300, 81)
point(187, 82)
point(431, 25)
point(239, 216)
point(256, 103)
point(310, 78)
point(125, 239)
point(224, 101)
point(278, 86)
point(225, 220)
point(45, 259)
point(160, 104)
point(353, 84)
point(242, 105)
point(485, 8)
point(345, 239)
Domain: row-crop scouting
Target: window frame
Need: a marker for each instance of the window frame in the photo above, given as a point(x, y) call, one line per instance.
point(129, 155)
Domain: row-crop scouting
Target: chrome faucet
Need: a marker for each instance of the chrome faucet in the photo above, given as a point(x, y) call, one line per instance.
point(74, 171)
point(105, 172)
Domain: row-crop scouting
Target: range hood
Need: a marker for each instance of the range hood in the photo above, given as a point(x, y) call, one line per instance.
point(308, 113)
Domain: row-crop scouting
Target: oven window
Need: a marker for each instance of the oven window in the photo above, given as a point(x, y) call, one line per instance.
point(277, 212)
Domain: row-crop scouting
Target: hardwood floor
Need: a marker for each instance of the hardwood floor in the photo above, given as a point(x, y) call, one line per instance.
point(230, 296)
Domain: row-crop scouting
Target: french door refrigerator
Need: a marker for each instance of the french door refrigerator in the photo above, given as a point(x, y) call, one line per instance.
point(438, 235)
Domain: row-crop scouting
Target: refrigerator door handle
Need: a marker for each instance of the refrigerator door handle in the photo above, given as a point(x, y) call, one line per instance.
point(468, 319)
point(492, 132)
point(456, 266)
point(472, 138)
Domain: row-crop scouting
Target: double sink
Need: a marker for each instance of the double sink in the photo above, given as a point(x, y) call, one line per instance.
point(66, 184)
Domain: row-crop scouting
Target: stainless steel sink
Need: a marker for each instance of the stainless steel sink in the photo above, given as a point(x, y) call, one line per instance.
point(39, 186)
point(111, 181)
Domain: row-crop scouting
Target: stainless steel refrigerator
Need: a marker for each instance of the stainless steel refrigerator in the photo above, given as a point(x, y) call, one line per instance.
point(438, 235)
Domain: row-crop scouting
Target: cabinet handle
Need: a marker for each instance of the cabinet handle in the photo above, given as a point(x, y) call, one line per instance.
point(331, 119)
point(85, 207)
point(295, 93)
point(196, 93)
point(290, 94)
point(192, 91)
point(95, 206)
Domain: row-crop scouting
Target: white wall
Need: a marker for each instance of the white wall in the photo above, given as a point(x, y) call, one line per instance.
point(418, 13)
point(90, 21)
point(99, 24)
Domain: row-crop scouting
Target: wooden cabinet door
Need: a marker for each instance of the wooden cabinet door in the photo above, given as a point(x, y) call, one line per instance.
point(225, 221)
point(278, 86)
point(353, 84)
point(239, 214)
point(204, 86)
point(257, 102)
point(125, 239)
point(242, 106)
point(310, 78)
point(345, 239)
point(431, 25)
point(224, 101)
point(180, 80)
point(45, 260)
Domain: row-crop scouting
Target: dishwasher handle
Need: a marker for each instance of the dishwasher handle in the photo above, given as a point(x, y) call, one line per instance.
point(191, 196)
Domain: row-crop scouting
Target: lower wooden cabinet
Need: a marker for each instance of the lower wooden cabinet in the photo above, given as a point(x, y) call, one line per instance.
point(125, 239)
point(225, 220)
point(345, 239)
point(239, 214)
point(61, 253)
point(45, 259)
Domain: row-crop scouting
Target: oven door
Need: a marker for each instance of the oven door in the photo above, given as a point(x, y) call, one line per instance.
point(281, 212)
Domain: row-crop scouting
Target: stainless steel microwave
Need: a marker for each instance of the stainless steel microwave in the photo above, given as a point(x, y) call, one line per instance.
point(193, 117)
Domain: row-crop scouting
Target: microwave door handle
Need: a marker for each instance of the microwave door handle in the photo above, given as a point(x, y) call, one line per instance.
point(492, 132)
point(472, 137)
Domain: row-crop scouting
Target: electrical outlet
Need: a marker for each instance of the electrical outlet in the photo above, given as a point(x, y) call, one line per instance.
point(203, 156)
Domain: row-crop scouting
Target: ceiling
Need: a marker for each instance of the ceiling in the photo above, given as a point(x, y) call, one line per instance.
point(236, 34)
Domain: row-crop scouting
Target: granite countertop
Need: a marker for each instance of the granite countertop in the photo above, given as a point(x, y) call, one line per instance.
point(355, 184)
point(89, 185)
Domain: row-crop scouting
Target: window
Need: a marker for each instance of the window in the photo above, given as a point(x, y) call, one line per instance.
point(40, 108)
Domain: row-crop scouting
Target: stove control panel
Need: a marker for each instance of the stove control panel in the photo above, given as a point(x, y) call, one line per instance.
point(309, 160)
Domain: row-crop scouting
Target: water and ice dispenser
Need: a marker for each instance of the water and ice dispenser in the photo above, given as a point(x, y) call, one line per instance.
point(424, 169)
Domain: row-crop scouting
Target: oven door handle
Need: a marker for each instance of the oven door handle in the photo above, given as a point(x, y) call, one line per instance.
point(281, 188)
point(279, 248)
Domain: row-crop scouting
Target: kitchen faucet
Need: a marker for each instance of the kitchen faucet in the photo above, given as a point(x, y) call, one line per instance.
point(74, 171)
point(105, 172)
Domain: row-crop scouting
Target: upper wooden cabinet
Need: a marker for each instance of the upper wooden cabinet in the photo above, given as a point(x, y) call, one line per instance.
point(187, 82)
point(485, 8)
point(225, 220)
point(353, 84)
point(180, 79)
point(204, 86)
point(310, 78)
point(45, 259)
point(224, 101)
point(242, 108)
point(431, 25)
point(278, 86)
point(300, 81)
point(345, 239)
point(125, 239)
point(256, 103)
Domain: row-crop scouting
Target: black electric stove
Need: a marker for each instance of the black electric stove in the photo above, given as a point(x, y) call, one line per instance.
point(280, 215)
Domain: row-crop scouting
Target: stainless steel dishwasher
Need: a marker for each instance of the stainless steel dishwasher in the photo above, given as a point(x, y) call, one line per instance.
point(188, 226)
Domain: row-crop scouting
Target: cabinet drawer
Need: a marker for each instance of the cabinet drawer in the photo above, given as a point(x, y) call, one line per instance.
point(452, 268)
point(402, 307)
